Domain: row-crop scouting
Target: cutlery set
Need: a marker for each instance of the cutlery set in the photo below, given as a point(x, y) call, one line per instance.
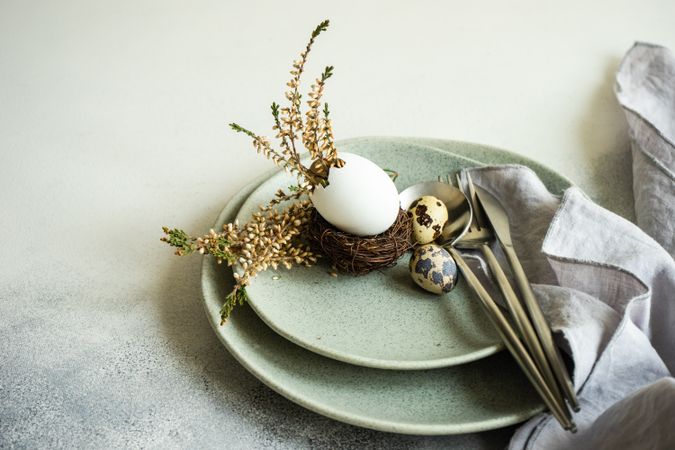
point(525, 331)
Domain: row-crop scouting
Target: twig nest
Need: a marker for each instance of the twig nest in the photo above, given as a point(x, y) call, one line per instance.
point(359, 255)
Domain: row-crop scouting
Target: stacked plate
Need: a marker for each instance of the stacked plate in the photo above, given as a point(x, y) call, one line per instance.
point(376, 351)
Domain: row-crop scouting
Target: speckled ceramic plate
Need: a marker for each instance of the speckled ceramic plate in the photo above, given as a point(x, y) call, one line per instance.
point(382, 320)
point(482, 395)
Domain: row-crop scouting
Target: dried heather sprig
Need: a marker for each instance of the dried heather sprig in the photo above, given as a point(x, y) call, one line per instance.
point(316, 133)
point(272, 238)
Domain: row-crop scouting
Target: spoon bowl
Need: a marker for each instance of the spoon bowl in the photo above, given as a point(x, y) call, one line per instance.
point(459, 208)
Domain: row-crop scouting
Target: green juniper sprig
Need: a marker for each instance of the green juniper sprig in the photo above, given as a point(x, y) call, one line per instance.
point(234, 298)
point(184, 244)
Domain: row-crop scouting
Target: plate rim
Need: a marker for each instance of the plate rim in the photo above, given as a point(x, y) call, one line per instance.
point(429, 142)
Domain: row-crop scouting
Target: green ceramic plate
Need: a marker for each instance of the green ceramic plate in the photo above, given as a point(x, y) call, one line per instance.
point(382, 320)
point(486, 394)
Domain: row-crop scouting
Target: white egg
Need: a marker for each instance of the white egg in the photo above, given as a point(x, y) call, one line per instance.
point(360, 197)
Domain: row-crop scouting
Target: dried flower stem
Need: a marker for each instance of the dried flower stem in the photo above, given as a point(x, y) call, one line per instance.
point(272, 238)
point(288, 123)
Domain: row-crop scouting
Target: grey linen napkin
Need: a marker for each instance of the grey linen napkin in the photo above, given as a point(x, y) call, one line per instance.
point(607, 286)
point(645, 87)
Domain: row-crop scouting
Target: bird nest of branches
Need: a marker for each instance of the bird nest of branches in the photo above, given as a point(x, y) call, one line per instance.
point(359, 255)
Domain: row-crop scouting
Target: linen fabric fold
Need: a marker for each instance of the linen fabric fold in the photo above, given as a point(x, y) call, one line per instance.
point(606, 288)
point(606, 285)
point(645, 88)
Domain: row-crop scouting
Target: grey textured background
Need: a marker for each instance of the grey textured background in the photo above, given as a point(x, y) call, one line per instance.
point(112, 124)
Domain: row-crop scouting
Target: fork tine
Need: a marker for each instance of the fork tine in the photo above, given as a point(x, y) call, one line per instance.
point(459, 183)
point(478, 211)
point(460, 186)
point(477, 223)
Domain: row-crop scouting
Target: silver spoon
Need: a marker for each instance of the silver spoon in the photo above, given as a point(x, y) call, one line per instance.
point(459, 208)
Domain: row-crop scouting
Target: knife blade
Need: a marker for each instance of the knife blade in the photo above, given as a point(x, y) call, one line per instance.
point(513, 343)
point(500, 223)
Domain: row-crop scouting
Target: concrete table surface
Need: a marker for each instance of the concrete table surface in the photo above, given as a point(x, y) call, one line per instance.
point(113, 123)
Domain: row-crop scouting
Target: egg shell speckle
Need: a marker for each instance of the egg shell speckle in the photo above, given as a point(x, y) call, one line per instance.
point(433, 269)
point(429, 215)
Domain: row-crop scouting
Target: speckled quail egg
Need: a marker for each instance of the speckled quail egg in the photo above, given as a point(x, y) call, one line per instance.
point(433, 269)
point(429, 215)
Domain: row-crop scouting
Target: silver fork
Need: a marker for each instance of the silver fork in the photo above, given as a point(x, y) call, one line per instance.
point(535, 364)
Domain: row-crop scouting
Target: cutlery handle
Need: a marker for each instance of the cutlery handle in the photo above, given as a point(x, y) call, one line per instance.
point(512, 342)
point(524, 325)
point(541, 326)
